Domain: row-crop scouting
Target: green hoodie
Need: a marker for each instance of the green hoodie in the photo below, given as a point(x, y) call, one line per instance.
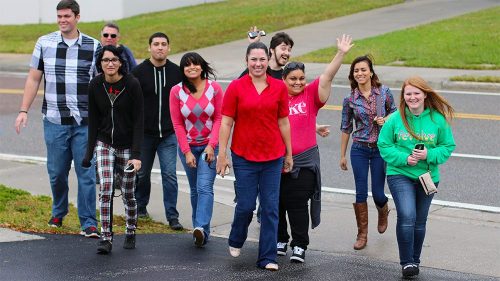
point(396, 144)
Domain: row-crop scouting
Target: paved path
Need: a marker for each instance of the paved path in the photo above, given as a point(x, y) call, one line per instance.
point(458, 240)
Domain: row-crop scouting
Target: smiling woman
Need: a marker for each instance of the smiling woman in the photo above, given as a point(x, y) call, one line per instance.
point(367, 106)
point(415, 140)
point(115, 136)
point(195, 108)
point(256, 105)
point(303, 183)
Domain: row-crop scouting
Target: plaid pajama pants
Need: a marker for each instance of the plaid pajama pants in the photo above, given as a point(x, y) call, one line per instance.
point(110, 164)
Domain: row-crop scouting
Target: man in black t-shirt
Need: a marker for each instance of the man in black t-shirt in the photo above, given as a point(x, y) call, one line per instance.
point(280, 49)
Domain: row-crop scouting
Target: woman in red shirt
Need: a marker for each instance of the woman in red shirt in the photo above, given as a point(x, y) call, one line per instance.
point(195, 109)
point(257, 106)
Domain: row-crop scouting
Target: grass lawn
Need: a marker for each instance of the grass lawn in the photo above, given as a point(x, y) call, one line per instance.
point(21, 211)
point(199, 26)
point(466, 42)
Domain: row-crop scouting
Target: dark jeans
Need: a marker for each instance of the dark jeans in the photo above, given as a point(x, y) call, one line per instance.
point(294, 199)
point(363, 159)
point(166, 148)
point(412, 206)
point(257, 179)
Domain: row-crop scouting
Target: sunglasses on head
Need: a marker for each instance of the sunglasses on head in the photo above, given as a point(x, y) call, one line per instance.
point(106, 35)
point(294, 65)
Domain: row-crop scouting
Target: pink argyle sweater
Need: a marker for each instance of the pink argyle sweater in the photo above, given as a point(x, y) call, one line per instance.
point(196, 121)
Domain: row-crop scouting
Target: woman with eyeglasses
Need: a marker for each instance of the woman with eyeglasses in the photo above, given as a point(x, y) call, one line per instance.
point(415, 140)
point(257, 106)
point(115, 136)
point(195, 109)
point(368, 107)
point(303, 183)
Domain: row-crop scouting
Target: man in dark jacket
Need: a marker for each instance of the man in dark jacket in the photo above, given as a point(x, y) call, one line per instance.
point(157, 75)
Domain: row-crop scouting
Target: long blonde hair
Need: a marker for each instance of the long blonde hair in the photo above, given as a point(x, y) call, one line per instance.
point(433, 101)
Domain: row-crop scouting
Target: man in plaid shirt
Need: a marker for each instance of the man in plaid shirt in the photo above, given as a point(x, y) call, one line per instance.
point(66, 59)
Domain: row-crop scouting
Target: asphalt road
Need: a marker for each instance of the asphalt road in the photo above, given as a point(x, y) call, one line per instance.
point(157, 257)
point(473, 180)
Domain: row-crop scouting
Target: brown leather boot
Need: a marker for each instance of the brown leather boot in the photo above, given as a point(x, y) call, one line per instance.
point(383, 213)
point(361, 211)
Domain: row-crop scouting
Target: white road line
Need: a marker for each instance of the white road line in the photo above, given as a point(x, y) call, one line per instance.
point(475, 156)
point(443, 203)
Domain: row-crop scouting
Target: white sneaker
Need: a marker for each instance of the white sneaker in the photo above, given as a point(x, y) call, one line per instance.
point(271, 267)
point(235, 252)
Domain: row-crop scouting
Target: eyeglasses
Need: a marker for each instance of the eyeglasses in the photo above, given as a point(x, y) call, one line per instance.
point(295, 65)
point(113, 60)
point(106, 35)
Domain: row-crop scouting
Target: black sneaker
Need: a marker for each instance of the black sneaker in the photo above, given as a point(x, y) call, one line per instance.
point(199, 237)
point(55, 222)
point(142, 212)
point(410, 270)
point(281, 247)
point(90, 232)
point(104, 247)
point(175, 224)
point(129, 241)
point(298, 255)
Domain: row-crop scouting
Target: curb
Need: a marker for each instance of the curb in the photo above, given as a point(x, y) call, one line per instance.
point(476, 86)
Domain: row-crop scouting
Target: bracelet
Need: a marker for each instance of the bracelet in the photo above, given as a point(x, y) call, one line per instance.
point(23, 111)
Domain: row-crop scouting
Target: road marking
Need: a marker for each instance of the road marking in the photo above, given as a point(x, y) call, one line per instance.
point(460, 205)
point(475, 156)
point(17, 91)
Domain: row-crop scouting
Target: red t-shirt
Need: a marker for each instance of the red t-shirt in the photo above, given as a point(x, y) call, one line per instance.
point(256, 134)
point(304, 109)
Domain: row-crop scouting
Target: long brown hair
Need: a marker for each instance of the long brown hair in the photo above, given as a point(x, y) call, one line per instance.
point(374, 78)
point(433, 101)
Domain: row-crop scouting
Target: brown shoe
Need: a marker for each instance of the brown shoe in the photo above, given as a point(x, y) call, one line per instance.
point(383, 213)
point(361, 211)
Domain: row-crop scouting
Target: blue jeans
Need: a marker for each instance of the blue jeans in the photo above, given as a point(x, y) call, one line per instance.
point(257, 179)
point(166, 148)
point(201, 183)
point(362, 159)
point(412, 206)
point(65, 143)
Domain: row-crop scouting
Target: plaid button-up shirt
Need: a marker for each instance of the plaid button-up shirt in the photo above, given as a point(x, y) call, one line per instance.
point(67, 73)
point(361, 111)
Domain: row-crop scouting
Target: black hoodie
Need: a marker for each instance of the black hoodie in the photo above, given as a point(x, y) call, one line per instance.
point(118, 123)
point(156, 83)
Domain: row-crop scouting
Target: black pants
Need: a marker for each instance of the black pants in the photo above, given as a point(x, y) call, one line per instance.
point(294, 199)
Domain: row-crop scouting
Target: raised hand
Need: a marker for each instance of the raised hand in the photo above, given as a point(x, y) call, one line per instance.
point(344, 44)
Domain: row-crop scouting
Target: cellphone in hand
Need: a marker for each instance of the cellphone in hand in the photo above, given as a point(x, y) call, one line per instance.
point(254, 34)
point(419, 146)
point(129, 168)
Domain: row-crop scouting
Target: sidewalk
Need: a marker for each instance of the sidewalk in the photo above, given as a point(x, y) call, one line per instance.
point(457, 240)
point(229, 59)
